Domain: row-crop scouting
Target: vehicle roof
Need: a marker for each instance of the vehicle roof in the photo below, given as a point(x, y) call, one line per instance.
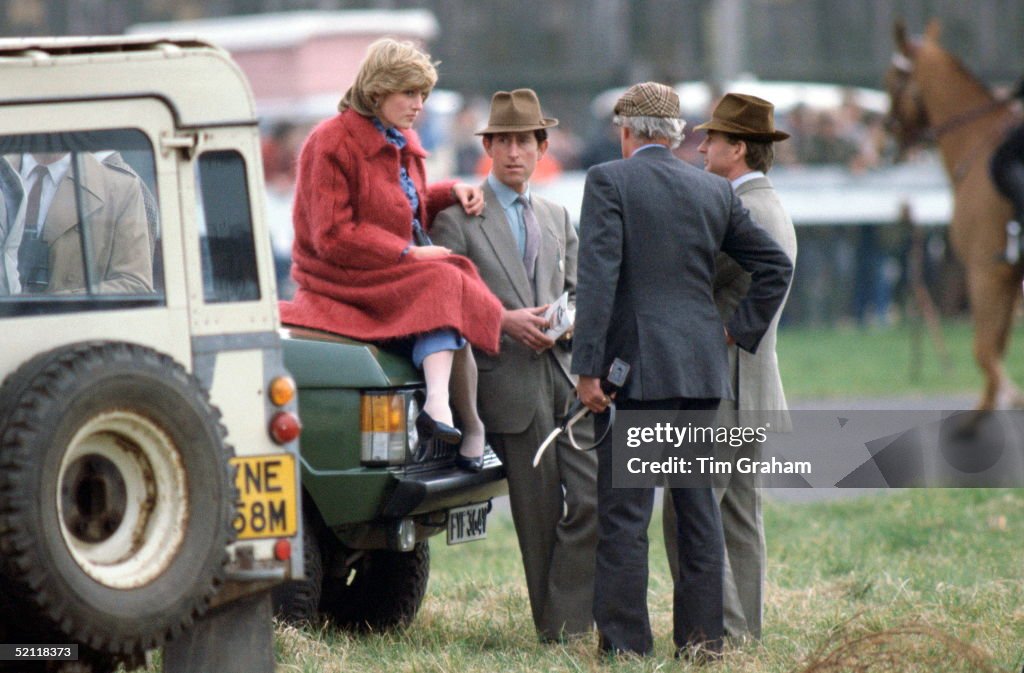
point(198, 80)
point(281, 29)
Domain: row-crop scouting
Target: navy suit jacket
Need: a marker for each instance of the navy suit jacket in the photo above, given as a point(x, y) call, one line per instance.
point(650, 227)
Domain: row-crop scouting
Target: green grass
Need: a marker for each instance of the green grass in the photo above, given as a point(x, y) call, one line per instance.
point(852, 362)
point(928, 577)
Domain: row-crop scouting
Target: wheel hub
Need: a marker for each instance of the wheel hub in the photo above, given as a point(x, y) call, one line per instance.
point(94, 498)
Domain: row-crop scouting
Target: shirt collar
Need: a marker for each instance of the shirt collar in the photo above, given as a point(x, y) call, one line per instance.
point(393, 135)
point(506, 195)
point(747, 177)
point(648, 146)
point(57, 169)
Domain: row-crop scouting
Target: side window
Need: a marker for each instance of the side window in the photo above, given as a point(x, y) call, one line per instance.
point(225, 229)
point(79, 222)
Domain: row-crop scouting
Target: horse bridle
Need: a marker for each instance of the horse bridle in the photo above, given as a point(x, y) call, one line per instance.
point(932, 133)
point(906, 86)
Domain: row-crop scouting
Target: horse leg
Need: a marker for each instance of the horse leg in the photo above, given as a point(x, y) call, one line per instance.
point(994, 292)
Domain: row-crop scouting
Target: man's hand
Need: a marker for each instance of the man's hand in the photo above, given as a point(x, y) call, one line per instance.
point(527, 325)
point(729, 341)
point(470, 196)
point(588, 389)
point(428, 251)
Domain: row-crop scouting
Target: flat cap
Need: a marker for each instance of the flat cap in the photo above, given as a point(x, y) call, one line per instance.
point(648, 99)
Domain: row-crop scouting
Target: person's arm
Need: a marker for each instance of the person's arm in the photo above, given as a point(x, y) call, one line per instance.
point(439, 195)
point(731, 283)
point(600, 258)
point(131, 257)
point(334, 233)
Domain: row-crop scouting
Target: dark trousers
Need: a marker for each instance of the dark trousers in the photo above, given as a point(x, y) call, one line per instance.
point(620, 588)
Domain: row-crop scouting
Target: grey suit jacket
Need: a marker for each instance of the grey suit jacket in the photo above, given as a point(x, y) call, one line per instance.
point(650, 228)
point(760, 384)
point(509, 381)
point(12, 226)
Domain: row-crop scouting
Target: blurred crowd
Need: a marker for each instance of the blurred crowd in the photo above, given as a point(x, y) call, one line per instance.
point(848, 135)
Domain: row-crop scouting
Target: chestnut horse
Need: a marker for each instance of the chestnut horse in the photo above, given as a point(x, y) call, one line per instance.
point(934, 98)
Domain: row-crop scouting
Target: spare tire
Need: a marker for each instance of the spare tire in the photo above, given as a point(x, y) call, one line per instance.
point(116, 495)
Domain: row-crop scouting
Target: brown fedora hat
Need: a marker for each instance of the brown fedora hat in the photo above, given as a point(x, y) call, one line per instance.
point(514, 111)
point(746, 116)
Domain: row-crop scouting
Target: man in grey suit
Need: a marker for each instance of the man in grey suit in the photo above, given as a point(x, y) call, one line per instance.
point(739, 148)
point(525, 248)
point(650, 227)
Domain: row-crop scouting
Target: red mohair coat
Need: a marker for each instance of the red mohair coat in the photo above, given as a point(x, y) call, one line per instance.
point(352, 222)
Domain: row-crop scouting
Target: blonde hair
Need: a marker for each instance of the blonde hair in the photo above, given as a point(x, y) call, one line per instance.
point(388, 67)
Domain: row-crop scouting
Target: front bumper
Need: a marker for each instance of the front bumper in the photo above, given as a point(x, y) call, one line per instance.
point(426, 491)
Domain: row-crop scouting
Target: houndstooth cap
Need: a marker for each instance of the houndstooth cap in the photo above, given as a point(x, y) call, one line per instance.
point(648, 99)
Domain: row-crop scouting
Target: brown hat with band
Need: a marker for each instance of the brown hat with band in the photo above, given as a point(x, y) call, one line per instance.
point(745, 116)
point(515, 111)
point(648, 99)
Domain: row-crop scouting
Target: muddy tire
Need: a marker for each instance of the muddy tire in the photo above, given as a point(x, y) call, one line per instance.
point(381, 590)
point(298, 601)
point(115, 495)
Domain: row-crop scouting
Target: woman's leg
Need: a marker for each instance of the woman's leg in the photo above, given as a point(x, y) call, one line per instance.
point(437, 370)
point(463, 390)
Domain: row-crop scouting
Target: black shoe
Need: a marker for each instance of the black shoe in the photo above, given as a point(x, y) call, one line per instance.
point(605, 649)
point(428, 428)
point(469, 464)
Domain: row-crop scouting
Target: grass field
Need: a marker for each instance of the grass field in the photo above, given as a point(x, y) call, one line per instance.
point(919, 580)
point(852, 362)
point(927, 580)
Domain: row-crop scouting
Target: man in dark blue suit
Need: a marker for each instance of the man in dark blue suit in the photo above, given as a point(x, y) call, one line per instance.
point(649, 231)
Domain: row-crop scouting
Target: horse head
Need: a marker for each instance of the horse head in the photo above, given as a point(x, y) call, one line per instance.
point(907, 120)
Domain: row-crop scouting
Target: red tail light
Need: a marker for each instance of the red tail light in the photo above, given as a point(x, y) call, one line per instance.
point(284, 427)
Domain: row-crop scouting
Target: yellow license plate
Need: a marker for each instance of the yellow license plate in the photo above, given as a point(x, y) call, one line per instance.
point(267, 496)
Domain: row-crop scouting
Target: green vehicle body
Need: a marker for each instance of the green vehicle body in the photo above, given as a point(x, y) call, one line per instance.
point(362, 503)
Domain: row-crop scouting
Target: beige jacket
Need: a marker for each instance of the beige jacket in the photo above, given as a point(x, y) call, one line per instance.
point(760, 384)
point(113, 207)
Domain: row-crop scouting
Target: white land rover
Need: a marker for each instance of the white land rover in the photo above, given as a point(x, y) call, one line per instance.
point(148, 453)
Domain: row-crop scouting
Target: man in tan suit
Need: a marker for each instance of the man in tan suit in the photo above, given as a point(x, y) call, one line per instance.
point(112, 203)
point(525, 248)
point(739, 148)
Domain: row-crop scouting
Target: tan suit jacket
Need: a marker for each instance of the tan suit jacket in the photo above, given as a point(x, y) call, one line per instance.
point(113, 207)
point(760, 384)
point(508, 382)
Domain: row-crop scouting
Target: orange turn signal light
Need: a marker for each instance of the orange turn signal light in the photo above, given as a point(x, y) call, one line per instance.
point(282, 390)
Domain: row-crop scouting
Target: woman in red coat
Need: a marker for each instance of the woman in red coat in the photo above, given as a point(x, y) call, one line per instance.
point(362, 259)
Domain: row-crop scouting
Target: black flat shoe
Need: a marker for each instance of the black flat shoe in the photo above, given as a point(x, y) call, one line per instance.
point(469, 464)
point(430, 428)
